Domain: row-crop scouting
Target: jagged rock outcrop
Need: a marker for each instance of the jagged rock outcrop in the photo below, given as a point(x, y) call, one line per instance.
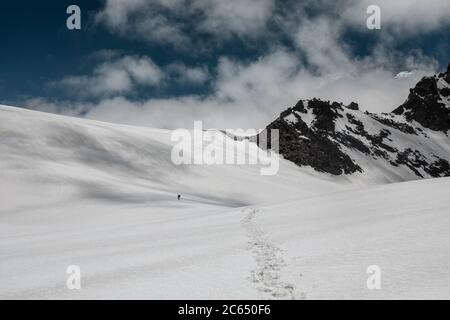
point(307, 144)
point(428, 102)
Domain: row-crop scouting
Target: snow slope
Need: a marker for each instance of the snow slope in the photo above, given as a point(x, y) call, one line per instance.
point(103, 196)
point(329, 241)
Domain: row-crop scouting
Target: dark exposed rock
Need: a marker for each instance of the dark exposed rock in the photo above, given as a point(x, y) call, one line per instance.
point(403, 127)
point(353, 143)
point(414, 160)
point(424, 104)
point(378, 147)
point(439, 168)
point(353, 106)
point(445, 92)
point(325, 113)
point(307, 147)
point(447, 75)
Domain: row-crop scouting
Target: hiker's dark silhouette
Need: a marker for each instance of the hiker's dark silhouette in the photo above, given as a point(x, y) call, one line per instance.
point(179, 196)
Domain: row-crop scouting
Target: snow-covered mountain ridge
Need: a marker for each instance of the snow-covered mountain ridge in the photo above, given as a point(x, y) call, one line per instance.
point(411, 142)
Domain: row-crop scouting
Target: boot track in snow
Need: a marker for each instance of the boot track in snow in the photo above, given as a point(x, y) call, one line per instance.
point(269, 261)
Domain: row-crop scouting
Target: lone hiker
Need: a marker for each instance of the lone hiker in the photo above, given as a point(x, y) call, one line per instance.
point(179, 196)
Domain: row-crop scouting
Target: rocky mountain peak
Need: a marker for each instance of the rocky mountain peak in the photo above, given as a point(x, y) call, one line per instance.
point(428, 102)
point(340, 139)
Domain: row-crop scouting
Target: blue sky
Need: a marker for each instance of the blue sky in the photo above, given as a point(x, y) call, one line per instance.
point(240, 62)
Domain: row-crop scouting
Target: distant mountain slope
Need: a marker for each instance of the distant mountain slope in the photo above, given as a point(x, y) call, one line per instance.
point(409, 143)
point(46, 159)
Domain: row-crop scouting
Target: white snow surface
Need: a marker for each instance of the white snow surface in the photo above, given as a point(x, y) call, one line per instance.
point(103, 197)
point(291, 118)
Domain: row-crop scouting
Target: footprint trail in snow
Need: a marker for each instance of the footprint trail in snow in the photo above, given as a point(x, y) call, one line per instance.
point(269, 261)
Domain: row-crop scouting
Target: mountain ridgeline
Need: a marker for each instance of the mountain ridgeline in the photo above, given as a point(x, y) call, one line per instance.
point(410, 142)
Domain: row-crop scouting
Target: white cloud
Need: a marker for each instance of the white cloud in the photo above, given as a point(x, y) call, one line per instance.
point(117, 77)
point(190, 75)
point(124, 74)
point(252, 94)
point(144, 20)
point(319, 40)
point(404, 74)
point(239, 17)
point(178, 22)
point(142, 70)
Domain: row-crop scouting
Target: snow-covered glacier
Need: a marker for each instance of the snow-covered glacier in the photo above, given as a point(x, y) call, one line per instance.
point(104, 197)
